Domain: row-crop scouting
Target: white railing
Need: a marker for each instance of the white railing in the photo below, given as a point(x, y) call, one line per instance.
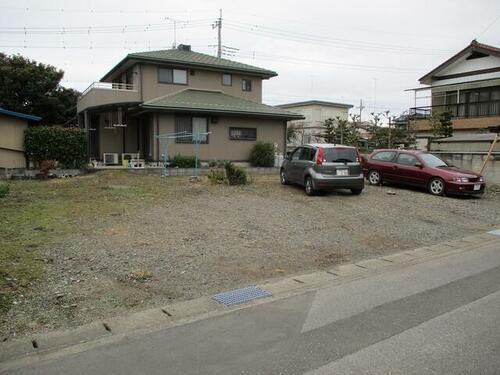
point(108, 86)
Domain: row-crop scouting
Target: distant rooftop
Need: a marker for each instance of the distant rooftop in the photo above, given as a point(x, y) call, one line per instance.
point(183, 55)
point(315, 102)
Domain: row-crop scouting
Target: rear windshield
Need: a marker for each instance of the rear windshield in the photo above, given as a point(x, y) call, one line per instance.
point(339, 155)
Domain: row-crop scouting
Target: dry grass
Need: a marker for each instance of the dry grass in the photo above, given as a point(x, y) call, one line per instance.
point(37, 214)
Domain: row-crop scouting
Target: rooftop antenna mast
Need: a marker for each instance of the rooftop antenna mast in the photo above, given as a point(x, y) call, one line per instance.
point(175, 29)
point(218, 24)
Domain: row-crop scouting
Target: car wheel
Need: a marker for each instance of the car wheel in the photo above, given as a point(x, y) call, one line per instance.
point(283, 179)
point(374, 177)
point(356, 191)
point(436, 186)
point(309, 186)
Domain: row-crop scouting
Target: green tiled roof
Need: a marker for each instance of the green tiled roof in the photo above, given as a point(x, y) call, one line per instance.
point(190, 58)
point(196, 100)
point(200, 59)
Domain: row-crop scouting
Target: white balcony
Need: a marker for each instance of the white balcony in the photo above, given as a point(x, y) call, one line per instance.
point(103, 93)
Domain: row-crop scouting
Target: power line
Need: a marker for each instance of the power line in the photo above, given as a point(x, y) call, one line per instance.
point(107, 11)
point(321, 40)
point(296, 60)
point(79, 30)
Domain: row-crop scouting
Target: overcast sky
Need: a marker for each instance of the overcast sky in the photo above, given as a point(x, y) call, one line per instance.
point(340, 51)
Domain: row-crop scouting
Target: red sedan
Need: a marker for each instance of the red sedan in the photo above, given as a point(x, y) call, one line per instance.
point(420, 168)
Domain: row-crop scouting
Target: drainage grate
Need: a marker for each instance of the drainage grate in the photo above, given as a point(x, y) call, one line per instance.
point(236, 296)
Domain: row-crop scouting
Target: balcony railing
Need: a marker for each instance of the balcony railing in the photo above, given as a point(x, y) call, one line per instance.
point(108, 86)
point(460, 110)
point(107, 93)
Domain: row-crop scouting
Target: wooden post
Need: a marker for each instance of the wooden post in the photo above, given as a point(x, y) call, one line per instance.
point(489, 154)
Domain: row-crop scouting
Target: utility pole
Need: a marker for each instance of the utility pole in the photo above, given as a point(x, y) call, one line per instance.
point(218, 25)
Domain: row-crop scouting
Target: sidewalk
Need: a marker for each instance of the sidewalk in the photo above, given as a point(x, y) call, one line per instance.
point(298, 307)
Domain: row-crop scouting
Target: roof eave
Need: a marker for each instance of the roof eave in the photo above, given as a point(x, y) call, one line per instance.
point(24, 116)
point(473, 46)
point(284, 116)
point(264, 74)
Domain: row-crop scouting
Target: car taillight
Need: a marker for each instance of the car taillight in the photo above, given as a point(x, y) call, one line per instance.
point(319, 156)
point(358, 157)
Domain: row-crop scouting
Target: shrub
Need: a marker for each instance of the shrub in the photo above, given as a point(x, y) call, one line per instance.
point(45, 167)
point(66, 145)
point(217, 176)
point(216, 163)
point(235, 175)
point(262, 155)
point(4, 189)
point(180, 161)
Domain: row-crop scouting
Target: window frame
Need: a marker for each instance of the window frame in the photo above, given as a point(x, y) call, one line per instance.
point(417, 160)
point(311, 151)
point(244, 87)
point(394, 153)
point(173, 80)
point(190, 140)
point(297, 151)
point(242, 139)
point(230, 79)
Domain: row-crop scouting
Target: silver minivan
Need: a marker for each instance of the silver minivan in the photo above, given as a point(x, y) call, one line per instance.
point(323, 167)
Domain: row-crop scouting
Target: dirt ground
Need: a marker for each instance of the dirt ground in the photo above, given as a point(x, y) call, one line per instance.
point(149, 241)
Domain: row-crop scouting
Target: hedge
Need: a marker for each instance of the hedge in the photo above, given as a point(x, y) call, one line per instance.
point(262, 155)
point(66, 145)
point(180, 161)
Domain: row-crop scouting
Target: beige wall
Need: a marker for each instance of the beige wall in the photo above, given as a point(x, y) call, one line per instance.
point(202, 79)
point(102, 96)
point(220, 147)
point(12, 138)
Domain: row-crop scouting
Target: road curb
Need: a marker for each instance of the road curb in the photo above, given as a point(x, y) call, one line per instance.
point(120, 327)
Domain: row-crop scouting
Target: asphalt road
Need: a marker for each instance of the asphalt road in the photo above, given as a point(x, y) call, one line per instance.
point(437, 317)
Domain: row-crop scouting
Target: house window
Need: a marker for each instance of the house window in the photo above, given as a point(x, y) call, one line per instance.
point(176, 76)
point(243, 134)
point(195, 125)
point(474, 103)
point(227, 79)
point(246, 84)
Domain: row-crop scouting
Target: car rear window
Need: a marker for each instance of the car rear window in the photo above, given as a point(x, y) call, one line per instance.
point(338, 154)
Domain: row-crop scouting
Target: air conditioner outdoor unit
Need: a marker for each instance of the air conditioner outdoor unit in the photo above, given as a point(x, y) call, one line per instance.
point(110, 158)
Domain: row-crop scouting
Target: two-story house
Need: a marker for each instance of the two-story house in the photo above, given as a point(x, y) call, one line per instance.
point(315, 112)
point(468, 86)
point(154, 93)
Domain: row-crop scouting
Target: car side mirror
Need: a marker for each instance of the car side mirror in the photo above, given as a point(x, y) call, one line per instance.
point(419, 164)
point(287, 156)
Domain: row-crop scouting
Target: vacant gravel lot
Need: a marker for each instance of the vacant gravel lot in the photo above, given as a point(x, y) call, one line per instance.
point(207, 238)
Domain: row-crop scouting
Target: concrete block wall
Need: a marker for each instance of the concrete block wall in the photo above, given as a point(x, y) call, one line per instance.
point(473, 162)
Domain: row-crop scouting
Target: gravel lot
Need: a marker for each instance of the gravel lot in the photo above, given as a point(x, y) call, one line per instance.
point(218, 237)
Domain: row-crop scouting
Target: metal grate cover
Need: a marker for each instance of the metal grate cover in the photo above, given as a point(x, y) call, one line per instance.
point(237, 296)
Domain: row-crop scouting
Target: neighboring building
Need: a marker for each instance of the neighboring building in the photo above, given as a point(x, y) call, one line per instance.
point(178, 90)
point(468, 86)
point(315, 112)
point(12, 126)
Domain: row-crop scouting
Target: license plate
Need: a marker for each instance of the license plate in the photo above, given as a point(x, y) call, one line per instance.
point(342, 172)
point(477, 186)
